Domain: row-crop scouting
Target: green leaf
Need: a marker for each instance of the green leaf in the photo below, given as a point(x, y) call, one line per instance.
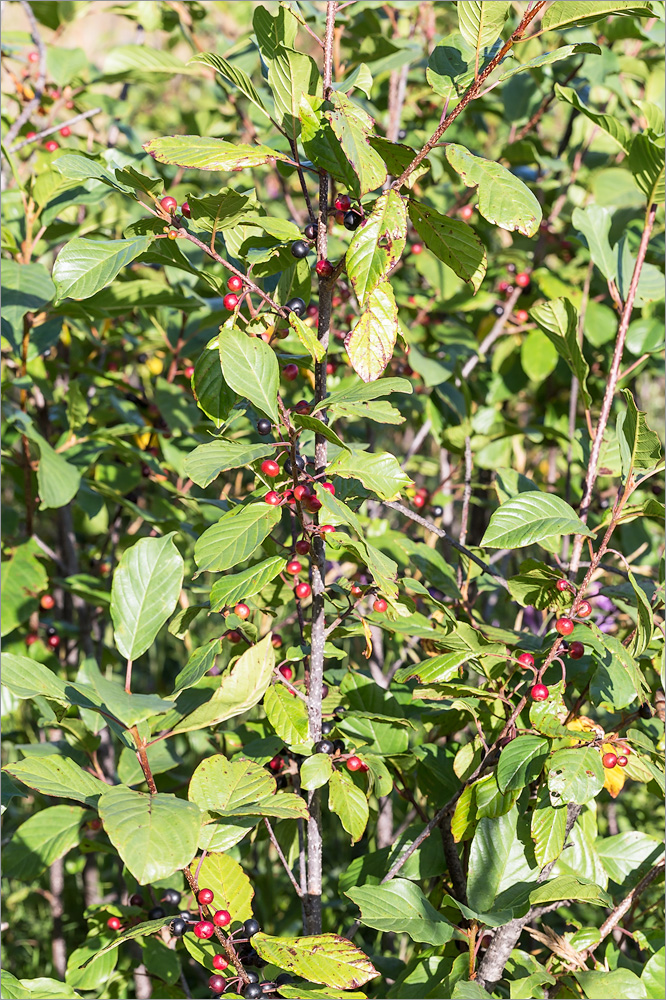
point(538, 357)
point(232, 74)
point(350, 805)
point(548, 58)
point(198, 665)
point(481, 23)
point(98, 968)
point(521, 762)
point(611, 985)
point(23, 579)
point(199, 152)
point(236, 587)
point(653, 975)
point(397, 158)
point(25, 288)
point(567, 14)
point(145, 590)
point(322, 146)
point(324, 958)
point(451, 66)
point(570, 887)
point(535, 586)
point(250, 368)
point(352, 126)
point(503, 199)
point(290, 75)
point(497, 860)
point(214, 213)
point(143, 60)
point(575, 775)
point(319, 427)
point(436, 670)
point(155, 835)
point(377, 245)
point(360, 392)
point(529, 518)
point(371, 340)
point(57, 776)
point(83, 266)
point(378, 471)
point(43, 838)
point(213, 395)
point(644, 619)
point(401, 906)
point(467, 989)
point(640, 447)
point(646, 162)
point(307, 337)
point(58, 480)
point(559, 321)
point(207, 461)
point(287, 714)
point(145, 929)
point(232, 887)
point(28, 678)
point(235, 536)
point(548, 828)
point(608, 123)
point(453, 241)
point(316, 771)
point(231, 788)
point(594, 222)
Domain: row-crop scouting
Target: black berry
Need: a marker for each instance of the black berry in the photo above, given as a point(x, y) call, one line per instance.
point(284, 979)
point(185, 915)
point(339, 745)
point(251, 926)
point(252, 991)
point(352, 220)
point(178, 927)
point(299, 249)
point(437, 511)
point(300, 464)
point(172, 897)
point(324, 690)
point(252, 976)
point(310, 231)
point(142, 358)
point(136, 900)
point(217, 984)
point(324, 746)
point(156, 913)
point(402, 134)
point(498, 310)
point(51, 630)
point(645, 711)
point(326, 728)
point(296, 306)
point(264, 426)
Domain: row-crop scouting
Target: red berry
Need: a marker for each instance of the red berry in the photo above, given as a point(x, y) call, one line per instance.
point(51, 146)
point(205, 896)
point(576, 650)
point(217, 984)
point(302, 590)
point(185, 209)
point(522, 315)
point(364, 766)
point(522, 279)
point(584, 609)
point(234, 284)
point(302, 545)
point(340, 218)
point(33, 57)
point(312, 311)
point(270, 468)
point(230, 301)
point(326, 529)
point(313, 504)
point(114, 923)
point(324, 268)
point(290, 372)
point(287, 672)
point(502, 286)
point(220, 962)
point(526, 660)
point(272, 498)
point(419, 501)
point(609, 760)
point(302, 407)
point(622, 760)
point(234, 636)
point(204, 929)
point(276, 641)
point(466, 213)
point(539, 692)
point(294, 567)
point(329, 487)
point(300, 492)
point(169, 204)
point(188, 371)
point(356, 591)
point(343, 203)
point(69, 105)
point(330, 368)
point(30, 638)
point(30, 135)
point(275, 764)
point(243, 612)
point(53, 641)
point(47, 602)
point(221, 918)
point(65, 131)
point(562, 585)
point(380, 606)
point(417, 248)
point(564, 626)
point(422, 492)
point(354, 763)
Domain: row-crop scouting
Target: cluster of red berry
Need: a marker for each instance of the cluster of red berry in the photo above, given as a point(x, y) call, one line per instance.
point(46, 603)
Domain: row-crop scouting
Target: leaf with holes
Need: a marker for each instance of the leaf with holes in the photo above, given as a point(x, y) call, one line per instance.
point(352, 126)
point(200, 152)
point(250, 368)
point(324, 958)
point(232, 887)
point(530, 518)
point(377, 245)
point(371, 340)
point(503, 199)
point(453, 241)
point(575, 775)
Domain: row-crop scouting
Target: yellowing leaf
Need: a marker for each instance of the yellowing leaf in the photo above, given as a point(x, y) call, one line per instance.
point(371, 341)
point(326, 958)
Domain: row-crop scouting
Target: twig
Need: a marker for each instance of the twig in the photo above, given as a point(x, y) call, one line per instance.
point(282, 858)
point(613, 919)
point(24, 116)
point(226, 942)
point(54, 128)
point(573, 398)
point(467, 494)
point(493, 334)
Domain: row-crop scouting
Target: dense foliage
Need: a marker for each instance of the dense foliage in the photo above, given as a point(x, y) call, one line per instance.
point(332, 571)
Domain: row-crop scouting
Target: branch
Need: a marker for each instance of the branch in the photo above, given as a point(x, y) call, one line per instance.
point(613, 919)
point(54, 128)
point(24, 116)
point(226, 942)
point(282, 858)
point(494, 333)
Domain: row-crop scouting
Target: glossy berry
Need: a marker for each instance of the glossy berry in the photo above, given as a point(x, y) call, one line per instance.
point(136, 900)
point(419, 500)
point(522, 279)
point(276, 642)
point(354, 764)
point(622, 760)
point(242, 611)
point(498, 310)
point(609, 760)
point(217, 984)
point(185, 209)
point(539, 692)
point(562, 585)
point(171, 897)
point(302, 590)
point(290, 372)
point(326, 728)
point(576, 650)
point(300, 464)
point(220, 962)
point(169, 204)
point(324, 746)
point(205, 896)
point(178, 927)
point(302, 407)
point(645, 711)
point(230, 301)
point(114, 923)
point(299, 249)
point(329, 487)
point(33, 57)
point(272, 498)
point(31, 638)
point(466, 213)
point(437, 511)
point(417, 248)
point(522, 315)
point(526, 660)
point(352, 220)
point(584, 609)
point(564, 626)
point(221, 918)
point(326, 529)
point(356, 591)
point(53, 641)
point(252, 991)
point(324, 268)
point(65, 131)
point(270, 468)
point(30, 135)
point(47, 602)
point(302, 545)
point(339, 746)
point(51, 146)
point(204, 929)
point(294, 567)
point(286, 672)
point(251, 927)
point(253, 958)
point(343, 203)
point(296, 306)
point(186, 916)
point(275, 764)
point(300, 492)
point(264, 426)
point(188, 371)
point(234, 636)
point(310, 231)
point(156, 913)
point(380, 606)
point(234, 283)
